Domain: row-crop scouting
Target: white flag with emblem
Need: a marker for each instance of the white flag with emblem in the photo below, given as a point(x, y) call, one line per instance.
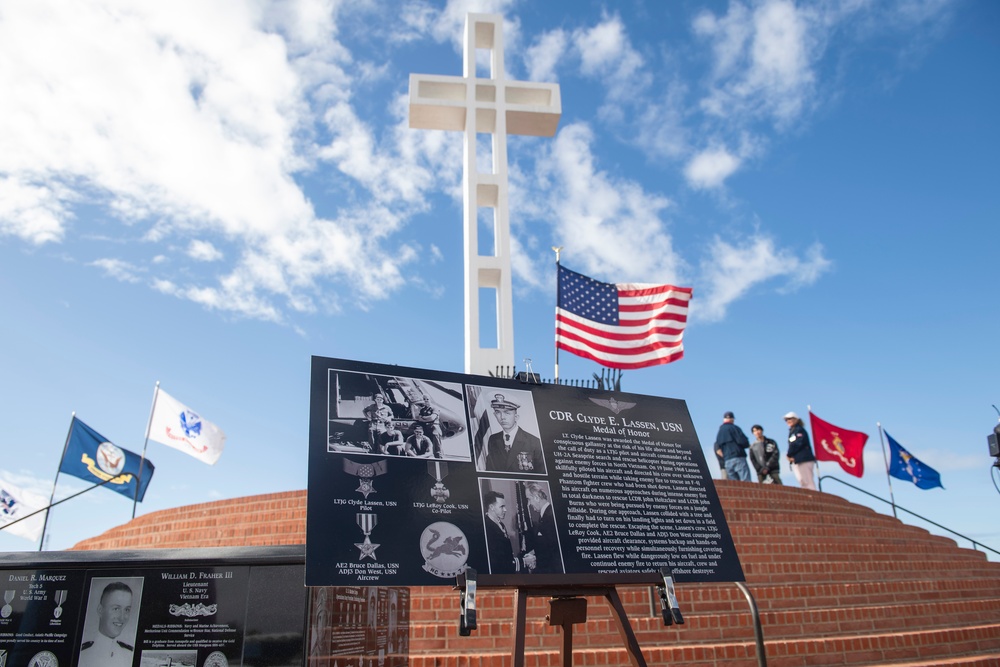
point(16, 503)
point(178, 426)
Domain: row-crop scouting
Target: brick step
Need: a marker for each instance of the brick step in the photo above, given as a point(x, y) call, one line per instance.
point(802, 531)
point(854, 548)
point(748, 527)
point(822, 519)
point(727, 597)
point(760, 570)
point(714, 628)
point(940, 646)
point(789, 506)
point(991, 660)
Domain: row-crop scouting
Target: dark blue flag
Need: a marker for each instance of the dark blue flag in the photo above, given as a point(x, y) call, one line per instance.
point(905, 466)
point(91, 457)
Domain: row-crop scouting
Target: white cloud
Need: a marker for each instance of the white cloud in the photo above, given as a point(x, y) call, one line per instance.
point(764, 59)
point(203, 251)
point(710, 168)
point(542, 57)
point(732, 269)
point(194, 119)
point(606, 53)
point(609, 227)
point(34, 213)
point(118, 269)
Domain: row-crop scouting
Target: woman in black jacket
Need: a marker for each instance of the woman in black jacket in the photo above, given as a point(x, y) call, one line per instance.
point(800, 453)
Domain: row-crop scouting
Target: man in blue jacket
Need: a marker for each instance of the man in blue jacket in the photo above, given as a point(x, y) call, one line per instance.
point(731, 444)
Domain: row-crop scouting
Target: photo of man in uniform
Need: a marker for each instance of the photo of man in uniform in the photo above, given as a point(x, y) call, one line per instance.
point(512, 449)
point(110, 643)
point(542, 539)
point(503, 559)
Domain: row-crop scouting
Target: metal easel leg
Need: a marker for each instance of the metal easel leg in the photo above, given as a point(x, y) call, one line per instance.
point(520, 618)
point(624, 629)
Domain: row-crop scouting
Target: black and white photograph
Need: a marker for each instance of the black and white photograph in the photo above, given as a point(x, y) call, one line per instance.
point(520, 527)
point(386, 415)
point(505, 430)
point(109, 628)
point(178, 658)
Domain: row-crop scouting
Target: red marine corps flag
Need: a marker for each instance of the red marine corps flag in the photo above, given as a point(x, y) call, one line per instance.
point(838, 444)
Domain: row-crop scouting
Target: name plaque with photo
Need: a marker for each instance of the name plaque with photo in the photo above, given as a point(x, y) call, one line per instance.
point(39, 616)
point(417, 475)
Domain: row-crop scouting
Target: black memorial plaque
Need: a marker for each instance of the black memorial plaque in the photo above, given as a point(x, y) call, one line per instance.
point(417, 475)
point(194, 616)
point(39, 616)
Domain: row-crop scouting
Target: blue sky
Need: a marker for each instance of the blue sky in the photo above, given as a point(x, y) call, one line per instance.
point(207, 193)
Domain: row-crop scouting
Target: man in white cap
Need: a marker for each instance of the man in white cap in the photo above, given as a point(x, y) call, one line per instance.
point(800, 453)
point(512, 449)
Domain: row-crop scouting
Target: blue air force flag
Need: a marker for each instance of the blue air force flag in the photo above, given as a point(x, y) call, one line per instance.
point(91, 457)
point(905, 466)
point(15, 505)
point(178, 426)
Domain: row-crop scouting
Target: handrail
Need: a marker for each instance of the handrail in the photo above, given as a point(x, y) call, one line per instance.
point(975, 544)
point(758, 630)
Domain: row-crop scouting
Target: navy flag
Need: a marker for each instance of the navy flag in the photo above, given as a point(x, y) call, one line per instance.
point(92, 458)
point(905, 466)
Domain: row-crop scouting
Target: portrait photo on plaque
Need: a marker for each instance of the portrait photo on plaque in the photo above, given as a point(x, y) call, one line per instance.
point(387, 415)
point(520, 527)
point(505, 431)
point(109, 627)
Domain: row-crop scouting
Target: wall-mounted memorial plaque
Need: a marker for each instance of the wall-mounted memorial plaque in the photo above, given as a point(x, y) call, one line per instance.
point(39, 616)
point(417, 475)
point(168, 607)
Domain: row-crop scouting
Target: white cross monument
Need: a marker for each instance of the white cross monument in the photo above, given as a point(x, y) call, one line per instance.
point(489, 106)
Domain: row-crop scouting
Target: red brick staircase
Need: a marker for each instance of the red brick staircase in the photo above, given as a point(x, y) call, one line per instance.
point(836, 584)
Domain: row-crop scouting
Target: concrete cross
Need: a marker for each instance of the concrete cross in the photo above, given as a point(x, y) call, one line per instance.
point(493, 106)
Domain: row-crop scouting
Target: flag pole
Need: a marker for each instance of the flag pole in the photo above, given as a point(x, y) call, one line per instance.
point(142, 461)
point(888, 477)
point(558, 294)
point(59, 502)
point(812, 435)
point(45, 524)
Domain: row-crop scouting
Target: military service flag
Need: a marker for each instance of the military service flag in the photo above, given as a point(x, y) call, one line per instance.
point(176, 425)
point(91, 457)
point(838, 444)
point(15, 505)
point(907, 467)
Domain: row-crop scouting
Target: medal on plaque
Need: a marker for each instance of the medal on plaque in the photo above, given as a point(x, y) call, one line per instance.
point(366, 522)
point(524, 461)
point(438, 470)
point(7, 610)
point(60, 598)
point(366, 474)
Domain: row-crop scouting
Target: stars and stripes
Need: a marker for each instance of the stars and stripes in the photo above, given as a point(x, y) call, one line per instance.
point(623, 325)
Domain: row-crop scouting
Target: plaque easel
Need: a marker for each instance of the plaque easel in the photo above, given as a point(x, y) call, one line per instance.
point(567, 607)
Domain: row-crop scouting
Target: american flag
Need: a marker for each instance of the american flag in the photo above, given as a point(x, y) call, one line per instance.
point(623, 325)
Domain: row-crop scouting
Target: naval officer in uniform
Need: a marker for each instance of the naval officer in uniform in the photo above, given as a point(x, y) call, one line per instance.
point(114, 611)
point(512, 449)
